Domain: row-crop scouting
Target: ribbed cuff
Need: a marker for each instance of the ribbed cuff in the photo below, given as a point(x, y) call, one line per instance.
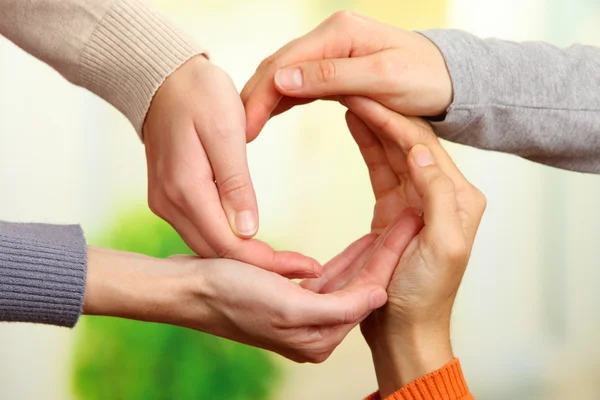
point(446, 383)
point(42, 273)
point(130, 54)
point(457, 48)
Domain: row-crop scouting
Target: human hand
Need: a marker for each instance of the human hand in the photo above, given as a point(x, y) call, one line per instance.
point(243, 303)
point(349, 54)
point(198, 178)
point(410, 336)
point(409, 169)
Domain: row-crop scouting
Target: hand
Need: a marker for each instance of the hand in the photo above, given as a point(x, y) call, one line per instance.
point(410, 336)
point(349, 54)
point(198, 178)
point(243, 303)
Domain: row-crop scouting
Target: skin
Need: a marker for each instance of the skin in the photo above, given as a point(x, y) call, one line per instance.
point(349, 54)
point(250, 305)
point(410, 336)
point(198, 178)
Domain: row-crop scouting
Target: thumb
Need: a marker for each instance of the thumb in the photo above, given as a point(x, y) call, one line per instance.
point(346, 306)
point(329, 77)
point(436, 189)
point(239, 202)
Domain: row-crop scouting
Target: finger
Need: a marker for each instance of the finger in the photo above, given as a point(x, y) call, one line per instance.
point(382, 176)
point(343, 307)
point(196, 197)
point(224, 140)
point(333, 76)
point(385, 257)
point(329, 40)
point(287, 103)
point(440, 207)
point(393, 128)
point(341, 280)
point(404, 132)
point(340, 263)
point(190, 234)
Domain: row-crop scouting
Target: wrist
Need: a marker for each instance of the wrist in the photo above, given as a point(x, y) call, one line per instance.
point(173, 90)
point(405, 355)
point(132, 286)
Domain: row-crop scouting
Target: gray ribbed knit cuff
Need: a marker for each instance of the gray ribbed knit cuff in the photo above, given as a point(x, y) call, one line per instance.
point(457, 50)
point(42, 273)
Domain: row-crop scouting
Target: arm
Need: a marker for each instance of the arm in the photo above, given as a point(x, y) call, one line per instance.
point(187, 108)
point(243, 303)
point(409, 169)
point(447, 382)
point(530, 99)
point(409, 338)
point(42, 273)
point(121, 50)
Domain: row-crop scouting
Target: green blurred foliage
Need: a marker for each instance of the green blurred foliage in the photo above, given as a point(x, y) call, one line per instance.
point(120, 359)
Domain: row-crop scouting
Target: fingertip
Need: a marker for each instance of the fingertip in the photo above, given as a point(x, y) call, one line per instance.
point(288, 79)
point(296, 265)
point(422, 156)
point(377, 298)
point(246, 224)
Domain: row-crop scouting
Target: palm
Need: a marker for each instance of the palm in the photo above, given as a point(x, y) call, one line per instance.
point(388, 170)
point(390, 203)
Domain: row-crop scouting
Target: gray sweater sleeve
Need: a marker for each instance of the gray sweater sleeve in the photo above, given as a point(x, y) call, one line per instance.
point(42, 273)
point(530, 99)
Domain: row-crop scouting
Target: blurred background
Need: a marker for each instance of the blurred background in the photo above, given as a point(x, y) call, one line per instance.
point(525, 326)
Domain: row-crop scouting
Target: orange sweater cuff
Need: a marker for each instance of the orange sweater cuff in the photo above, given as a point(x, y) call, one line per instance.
point(447, 383)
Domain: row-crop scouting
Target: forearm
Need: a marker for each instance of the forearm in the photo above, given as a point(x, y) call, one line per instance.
point(42, 273)
point(135, 286)
point(121, 50)
point(402, 358)
point(530, 99)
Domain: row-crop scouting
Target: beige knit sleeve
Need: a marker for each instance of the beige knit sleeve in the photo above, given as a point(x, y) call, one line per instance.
point(121, 50)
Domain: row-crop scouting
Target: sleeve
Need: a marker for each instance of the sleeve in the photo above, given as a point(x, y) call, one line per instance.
point(530, 99)
point(121, 50)
point(447, 383)
point(42, 273)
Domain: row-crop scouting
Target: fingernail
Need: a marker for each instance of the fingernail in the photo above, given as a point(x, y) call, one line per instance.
point(422, 156)
point(289, 78)
point(245, 223)
point(377, 299)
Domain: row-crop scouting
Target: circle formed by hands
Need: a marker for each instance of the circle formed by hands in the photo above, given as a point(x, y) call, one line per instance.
point(425, 217)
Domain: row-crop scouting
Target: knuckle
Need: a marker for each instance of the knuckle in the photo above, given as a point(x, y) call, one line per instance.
point(286, 316)
point(318, 358)
point(386, 125)
point(456, 251)
point(341, 17)
point(174, 190)
point(268, 63)
point(425, 133)
point(155, 204)
point(441, 184)
point(223, 250)
point(384, 66)
point(351, 315)
point(234, 186)
point(326, 72)
point(480, 199)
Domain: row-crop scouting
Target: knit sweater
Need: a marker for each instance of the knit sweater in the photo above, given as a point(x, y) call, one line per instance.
point(529, 99)
point(447, 383)
point(121, 50)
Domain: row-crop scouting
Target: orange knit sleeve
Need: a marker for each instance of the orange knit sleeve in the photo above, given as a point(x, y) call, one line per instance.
point(447, 383)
